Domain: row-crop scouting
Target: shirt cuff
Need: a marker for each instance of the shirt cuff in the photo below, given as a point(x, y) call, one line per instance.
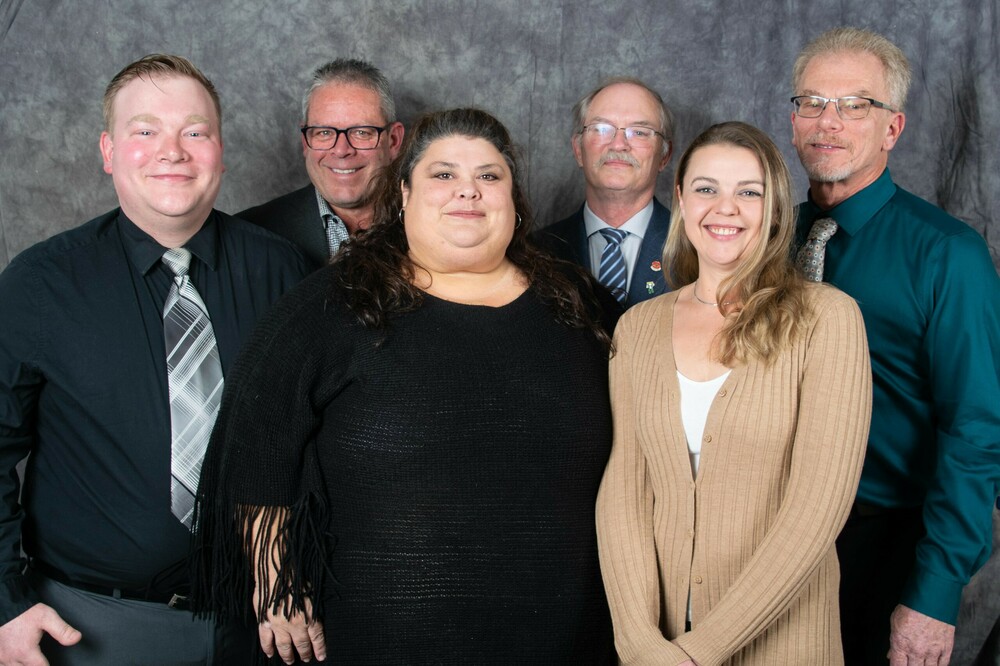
point(933, 595)
point(16, 596)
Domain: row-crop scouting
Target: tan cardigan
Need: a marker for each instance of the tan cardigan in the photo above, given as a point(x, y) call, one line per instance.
point(753, 537)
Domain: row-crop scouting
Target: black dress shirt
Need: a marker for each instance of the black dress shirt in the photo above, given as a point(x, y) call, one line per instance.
point(83, 389)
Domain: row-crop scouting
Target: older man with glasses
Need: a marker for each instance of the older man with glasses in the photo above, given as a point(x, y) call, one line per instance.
point(928, 290)
point(349, 132)
point(622, 141)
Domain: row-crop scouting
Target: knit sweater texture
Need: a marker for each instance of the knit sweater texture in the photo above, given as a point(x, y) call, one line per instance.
point(752, 537)
point(440, 478)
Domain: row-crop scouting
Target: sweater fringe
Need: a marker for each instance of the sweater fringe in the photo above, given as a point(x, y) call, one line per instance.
point(228, 557)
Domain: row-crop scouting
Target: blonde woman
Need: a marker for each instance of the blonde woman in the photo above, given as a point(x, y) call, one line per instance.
point(741, 403)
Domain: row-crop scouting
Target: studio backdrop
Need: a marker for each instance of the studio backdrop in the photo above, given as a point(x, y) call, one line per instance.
point(527, 61)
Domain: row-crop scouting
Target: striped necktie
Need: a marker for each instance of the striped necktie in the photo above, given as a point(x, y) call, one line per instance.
point(812, 254)
point(194, 377)
point(613, 273)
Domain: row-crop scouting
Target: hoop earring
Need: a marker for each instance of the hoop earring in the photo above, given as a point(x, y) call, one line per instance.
point(400, 216)
point(518, 224)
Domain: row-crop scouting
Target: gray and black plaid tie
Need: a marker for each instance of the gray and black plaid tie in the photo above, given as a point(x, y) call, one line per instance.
point(613, 273)
point(194, 376)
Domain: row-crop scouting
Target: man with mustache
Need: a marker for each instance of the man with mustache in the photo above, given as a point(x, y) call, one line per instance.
point(622, 141)
point(349, 133)
point(922, 521)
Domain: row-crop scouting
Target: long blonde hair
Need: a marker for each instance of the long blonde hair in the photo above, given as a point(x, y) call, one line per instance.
point(763, 301)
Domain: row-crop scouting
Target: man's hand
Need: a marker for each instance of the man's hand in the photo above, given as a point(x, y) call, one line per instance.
point(292, 635)
point(20, 637)
point(919, 640)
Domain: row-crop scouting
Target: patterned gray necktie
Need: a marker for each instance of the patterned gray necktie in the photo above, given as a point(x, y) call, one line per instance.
point(813, 253)
point(613, 274)
point(194, 376)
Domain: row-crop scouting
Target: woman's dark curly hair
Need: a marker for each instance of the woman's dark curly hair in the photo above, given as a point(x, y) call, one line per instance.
point(375, 276)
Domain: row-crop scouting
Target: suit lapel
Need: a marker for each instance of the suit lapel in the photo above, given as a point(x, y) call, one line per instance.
point(647, 276)
point(579, 243)
point(309, 225)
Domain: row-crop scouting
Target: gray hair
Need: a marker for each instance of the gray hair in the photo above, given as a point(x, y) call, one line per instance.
point(581, 108)
point(856, 40)
point(352, 72)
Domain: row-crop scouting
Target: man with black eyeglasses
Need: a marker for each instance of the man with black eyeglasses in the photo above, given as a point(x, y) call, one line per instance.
point(622, 141)
point(349, 133)
point(922, 521)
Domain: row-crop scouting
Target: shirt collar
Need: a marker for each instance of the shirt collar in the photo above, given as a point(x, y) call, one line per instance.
point(635, 225)
point(144, 251)
point(325, 211)
point(853, 213)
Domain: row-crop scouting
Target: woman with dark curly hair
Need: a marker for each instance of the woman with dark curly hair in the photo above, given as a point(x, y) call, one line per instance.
point(407, 457)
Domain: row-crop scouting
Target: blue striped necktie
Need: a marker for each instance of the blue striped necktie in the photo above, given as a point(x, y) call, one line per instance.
point(613, 273)
point(194, 377)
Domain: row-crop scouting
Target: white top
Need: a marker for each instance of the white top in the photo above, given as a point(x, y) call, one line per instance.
point(696, 400)
point(635, 226)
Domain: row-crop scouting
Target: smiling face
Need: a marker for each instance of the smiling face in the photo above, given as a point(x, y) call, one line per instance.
point(344, 175)
point(843, 156)
point(722, 203)
point(619, 169)
point(164, 154)
point(459, 207)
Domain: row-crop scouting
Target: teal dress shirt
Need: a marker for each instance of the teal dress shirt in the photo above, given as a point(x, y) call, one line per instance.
point(930, 297)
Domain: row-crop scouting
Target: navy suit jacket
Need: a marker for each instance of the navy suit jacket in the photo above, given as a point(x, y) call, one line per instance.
point(296, 217)
point(567, 239)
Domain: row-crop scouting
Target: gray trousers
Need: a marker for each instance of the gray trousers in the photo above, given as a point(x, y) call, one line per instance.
point(125, 632)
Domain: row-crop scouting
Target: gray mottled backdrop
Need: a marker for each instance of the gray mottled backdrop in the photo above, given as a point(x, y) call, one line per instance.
point(527, 61)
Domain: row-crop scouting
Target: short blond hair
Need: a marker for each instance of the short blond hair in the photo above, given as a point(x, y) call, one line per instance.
point(855, 40)
point(155, 64)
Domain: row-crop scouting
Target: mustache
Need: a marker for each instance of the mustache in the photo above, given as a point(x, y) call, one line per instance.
point(616, 156)
point(826, 140)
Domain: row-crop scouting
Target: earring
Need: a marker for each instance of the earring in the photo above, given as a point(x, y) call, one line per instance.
point(518, 224)
point(400, 216)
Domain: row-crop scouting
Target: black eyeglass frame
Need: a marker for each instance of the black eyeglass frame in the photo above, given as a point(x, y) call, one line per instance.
point(346, 132)
point(836, 104)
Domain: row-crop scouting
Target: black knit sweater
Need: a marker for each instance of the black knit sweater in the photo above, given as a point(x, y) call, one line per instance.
point(441, 477)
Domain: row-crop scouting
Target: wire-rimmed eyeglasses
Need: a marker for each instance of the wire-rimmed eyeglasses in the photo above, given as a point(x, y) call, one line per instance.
point(605, 133)
point(851, 107)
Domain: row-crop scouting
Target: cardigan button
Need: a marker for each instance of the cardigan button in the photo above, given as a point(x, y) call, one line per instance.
point(708, 438)
point(722, 393)
point(697, 580)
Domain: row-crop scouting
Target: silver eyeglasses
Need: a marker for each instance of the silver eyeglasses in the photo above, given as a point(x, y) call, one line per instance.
point(851, 107)
point(360, 137)
point(605, 133)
